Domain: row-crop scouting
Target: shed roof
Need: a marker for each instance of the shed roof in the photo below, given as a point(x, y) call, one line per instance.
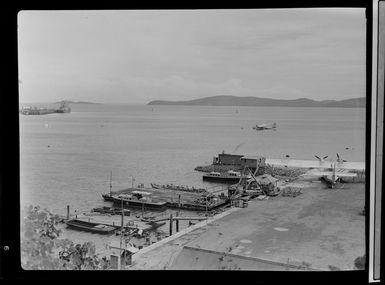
point(116, 245)
point(140, 192)
point(256, 157)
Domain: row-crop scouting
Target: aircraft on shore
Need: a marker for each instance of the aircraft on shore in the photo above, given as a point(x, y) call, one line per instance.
point(320, 163)
point(331, 178)
point(339, 169)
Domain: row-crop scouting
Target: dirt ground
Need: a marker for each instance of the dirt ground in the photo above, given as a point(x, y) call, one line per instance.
point(322, 229)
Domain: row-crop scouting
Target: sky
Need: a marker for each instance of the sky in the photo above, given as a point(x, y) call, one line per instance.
point(136, 56)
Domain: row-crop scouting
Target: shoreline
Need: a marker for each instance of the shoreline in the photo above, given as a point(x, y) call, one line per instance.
point(251, 234)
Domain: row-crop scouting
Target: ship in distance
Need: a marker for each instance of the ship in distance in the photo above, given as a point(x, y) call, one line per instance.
point(64, 108)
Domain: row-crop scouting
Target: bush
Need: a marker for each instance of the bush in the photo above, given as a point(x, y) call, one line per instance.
point(42, 249)
point(359, 262)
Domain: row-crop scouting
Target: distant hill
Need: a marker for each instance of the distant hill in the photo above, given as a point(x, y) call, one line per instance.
point(227, 100)
point(76, 102)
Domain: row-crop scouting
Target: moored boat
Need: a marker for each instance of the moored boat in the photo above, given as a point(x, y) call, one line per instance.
point(90, 226)
point(111, 211)
point(224, 177)
point(108, 197)
point(135, 199)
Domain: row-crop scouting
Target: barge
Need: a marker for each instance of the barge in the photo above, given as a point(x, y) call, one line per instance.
point(90, 227)
point(199, 206)
point(111, 211)
point(176, 199)
point(179, 188)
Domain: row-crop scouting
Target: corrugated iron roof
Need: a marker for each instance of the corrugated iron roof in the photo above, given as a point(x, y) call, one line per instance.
point(252, 157)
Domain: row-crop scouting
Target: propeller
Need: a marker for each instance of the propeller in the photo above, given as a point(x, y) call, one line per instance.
point(321, 159)
point(339, 159)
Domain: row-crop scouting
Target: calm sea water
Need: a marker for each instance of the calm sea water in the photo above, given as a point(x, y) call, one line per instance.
point(67, 158)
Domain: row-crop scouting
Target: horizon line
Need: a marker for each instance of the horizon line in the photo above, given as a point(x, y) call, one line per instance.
point(185, 100)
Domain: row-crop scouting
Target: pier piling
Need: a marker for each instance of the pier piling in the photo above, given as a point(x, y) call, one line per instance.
point(68, 212)
point(171, 224)
point(122, 215)
point(177, 214)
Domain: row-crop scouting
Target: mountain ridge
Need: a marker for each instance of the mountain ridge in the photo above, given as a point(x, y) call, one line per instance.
point(76, 102)
point(229, 100)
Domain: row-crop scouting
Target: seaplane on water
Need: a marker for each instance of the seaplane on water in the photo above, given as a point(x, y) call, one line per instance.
point(339, 168)
point(265, 127)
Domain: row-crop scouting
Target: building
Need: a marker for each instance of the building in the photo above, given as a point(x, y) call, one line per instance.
point(122, 255)
point(227, 159)
point(252, 162)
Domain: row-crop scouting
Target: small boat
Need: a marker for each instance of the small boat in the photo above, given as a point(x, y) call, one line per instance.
point(156, 186)
point(63, 108)
point(108, 197)
point(148, 219)
point(155, 225)
point(136, 199)
point(90, 226)
point(225, 177)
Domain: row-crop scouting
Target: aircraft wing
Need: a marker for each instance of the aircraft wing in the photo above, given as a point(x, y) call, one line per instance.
point(350, 165)
point(315, 164)
point(299, 163)
point(330, 173)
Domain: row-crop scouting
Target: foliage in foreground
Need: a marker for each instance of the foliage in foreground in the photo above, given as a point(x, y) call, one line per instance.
point(360, 262)
point(42, 249)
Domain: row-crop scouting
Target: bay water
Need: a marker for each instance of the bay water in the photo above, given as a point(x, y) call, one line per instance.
point(66, 159)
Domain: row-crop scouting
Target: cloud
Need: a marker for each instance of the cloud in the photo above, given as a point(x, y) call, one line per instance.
point(136, 56)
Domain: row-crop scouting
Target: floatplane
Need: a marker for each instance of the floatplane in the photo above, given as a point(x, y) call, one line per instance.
point(337, 170)
point(265, 127)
